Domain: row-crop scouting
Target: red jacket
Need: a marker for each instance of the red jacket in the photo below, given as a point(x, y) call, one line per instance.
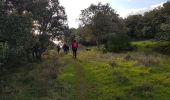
point(74, 45)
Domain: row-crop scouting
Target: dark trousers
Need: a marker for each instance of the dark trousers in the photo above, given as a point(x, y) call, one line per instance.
point(58, 50)
point(74, 52)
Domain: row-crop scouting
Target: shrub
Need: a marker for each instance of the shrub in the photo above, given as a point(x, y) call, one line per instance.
point(122, 80)
point(113, 64)
point(87, 43)
point(163, 49)
point(118, 43)
point(148, 61)
point(144, 59)
point(128, 57)
point(143, 90)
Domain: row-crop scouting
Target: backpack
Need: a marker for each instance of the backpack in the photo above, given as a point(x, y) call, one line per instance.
point(74, 45)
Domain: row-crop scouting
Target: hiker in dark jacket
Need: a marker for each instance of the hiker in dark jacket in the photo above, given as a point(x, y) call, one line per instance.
point(65, 48)
point(58, 49)
point(74, 46)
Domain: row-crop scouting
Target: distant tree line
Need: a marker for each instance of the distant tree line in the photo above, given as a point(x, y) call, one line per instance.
point(154, 24)
point(101, 26)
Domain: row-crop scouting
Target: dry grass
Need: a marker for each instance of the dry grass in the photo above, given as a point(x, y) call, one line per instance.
point(144, 59)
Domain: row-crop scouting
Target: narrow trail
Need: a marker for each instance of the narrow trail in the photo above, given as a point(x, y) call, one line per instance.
point(86, 77)
point(81, 82)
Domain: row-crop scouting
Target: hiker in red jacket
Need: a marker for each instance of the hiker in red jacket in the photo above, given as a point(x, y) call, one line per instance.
point(74, 46)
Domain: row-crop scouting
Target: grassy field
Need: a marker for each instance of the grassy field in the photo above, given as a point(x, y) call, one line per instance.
point(132, 76)
point(137, 75)
point(150, 45)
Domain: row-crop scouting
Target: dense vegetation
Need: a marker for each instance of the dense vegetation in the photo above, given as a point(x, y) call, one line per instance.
point(140, 75)
point(110, 27)
point(118, 59)
point(29, 25)
point(105, 26)
point(153, 24)
point(29, 31)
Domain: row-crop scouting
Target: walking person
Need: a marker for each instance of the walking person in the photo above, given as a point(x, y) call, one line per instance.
point(65, 48)
point(74, 46)
point(58, 48)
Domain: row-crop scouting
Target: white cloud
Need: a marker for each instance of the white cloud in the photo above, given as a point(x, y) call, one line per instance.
point(73, 8)
point(135, 11)
point(157, 5)
point(139, 10)
point(126, 12)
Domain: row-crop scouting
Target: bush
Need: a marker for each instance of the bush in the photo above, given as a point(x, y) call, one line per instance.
point(143, 59)
point(144, 90)
point(118, 43)
point(122, 80)
point(128, 57)
point(87, 43)
point(113, 64)
point(148, 61)
point(163, 49)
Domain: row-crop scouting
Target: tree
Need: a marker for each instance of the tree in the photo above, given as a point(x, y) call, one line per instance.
point(103, 21)
point(85, 36)
point(152, 21)
point(29, 24)
point(163, 32)
point(134, 23)
point(149, 25)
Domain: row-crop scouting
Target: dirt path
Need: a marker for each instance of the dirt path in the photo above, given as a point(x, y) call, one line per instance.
point(81, 82)
point(75, 75)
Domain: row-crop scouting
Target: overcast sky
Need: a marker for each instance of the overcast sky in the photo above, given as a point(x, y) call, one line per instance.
point(122, 7)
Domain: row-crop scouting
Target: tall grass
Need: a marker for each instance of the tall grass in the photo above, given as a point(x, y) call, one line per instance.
point(35, 81)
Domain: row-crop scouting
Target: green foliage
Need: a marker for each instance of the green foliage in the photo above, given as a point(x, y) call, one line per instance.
point(154, 23)
point(118, 43)
point(32, 81)
point(164, 33)
point(3, 50)
point(150, 46)
point(126, 80)
point(141, 45)
point(105, 26)
point(163, 48)
point(142, 90)
point(86, 36)
point(93, 75)
point(73, 34)
point(98, 18)
point(134, 23)
point(31, 26)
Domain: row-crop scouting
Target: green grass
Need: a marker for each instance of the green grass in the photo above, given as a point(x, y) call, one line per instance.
point(145, 44)
point(123, 80)
point(93, 76)
point(149, 45)
point(34, 81)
